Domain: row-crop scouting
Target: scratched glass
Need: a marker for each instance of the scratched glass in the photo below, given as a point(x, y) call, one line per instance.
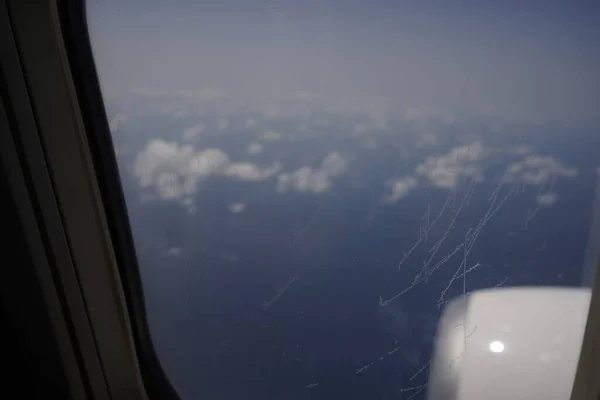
point(358, 199)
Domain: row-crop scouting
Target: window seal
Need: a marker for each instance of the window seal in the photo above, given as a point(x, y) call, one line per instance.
point(73, 20)
point(115, 370)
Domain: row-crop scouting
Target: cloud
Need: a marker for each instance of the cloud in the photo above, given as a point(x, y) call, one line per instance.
point(536, 170)
point(547, 199)
point(222, 124)
point(303, 179)
point(334, 164)
point(246, 171)
point(175, 172)
point(271, 135)
point(399, 188)
point(250, 123)
point(445, 171)
point(307, 179)
point(254, 148)
point(236, 207)
point(118, 120)
point(193, 131)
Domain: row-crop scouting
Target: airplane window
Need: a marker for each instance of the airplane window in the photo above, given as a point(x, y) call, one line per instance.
point(344, 199)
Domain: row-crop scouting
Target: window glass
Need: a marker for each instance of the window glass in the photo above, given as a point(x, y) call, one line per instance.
point(345, 199)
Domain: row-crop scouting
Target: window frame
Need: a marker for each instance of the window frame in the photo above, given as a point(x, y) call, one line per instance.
point(54, 90)
point(68, 147)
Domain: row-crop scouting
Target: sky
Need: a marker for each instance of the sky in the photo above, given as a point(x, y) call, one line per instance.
point(310, 183)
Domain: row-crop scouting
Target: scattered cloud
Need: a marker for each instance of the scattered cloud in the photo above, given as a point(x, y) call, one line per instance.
point(536, 170)
point(399, 188)
point(237, 207)
point(334, 164)
point(271, 135)
point(193, 131)
point(547, 199)
point(254, 148)
point(246, 171)
point(302, 180)
point(175, 171)
point(445, 171)
point(307, 179)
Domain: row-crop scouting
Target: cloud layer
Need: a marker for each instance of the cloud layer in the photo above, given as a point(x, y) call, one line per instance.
point(175, 171)
point(446, 171)
point(307, 179)
point(537, 170)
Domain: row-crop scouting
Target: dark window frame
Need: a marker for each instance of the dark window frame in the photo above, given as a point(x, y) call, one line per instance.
point(73, 20)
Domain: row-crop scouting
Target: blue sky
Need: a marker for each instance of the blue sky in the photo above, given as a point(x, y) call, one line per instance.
point(303, 178)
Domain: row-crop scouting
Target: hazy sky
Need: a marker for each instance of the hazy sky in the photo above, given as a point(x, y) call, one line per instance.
point(533, 60)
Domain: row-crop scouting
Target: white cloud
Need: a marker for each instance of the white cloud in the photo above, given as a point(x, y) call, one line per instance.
point(445, 171)
point(175, 171)
point(307, 179)
point(254, 148)
point(442, 171)
point(547, 199)
point(304, 179)
point(399, 188)
point(193, 131)
point(246, 171)
point(222, 124)
point(237, 207)
point(271, 135)
point(426, 140)
point(118, 120)
point(537, 170)
point(334, 164)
